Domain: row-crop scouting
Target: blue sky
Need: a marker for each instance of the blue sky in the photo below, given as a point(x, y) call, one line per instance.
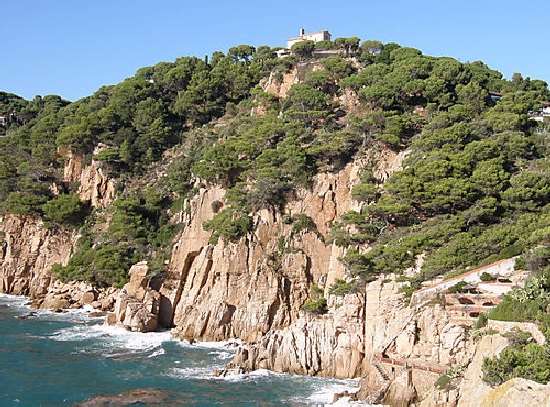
point(71, 47)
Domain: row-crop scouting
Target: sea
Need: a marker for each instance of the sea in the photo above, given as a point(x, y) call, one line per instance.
point(63, 359)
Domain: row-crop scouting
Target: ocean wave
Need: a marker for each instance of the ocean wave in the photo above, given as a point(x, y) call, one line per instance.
point(191, 373)
point(156, 353)
point(14, 301)
point(207, 373)
point(324, 394)
point(13, 296)
point(114, 341)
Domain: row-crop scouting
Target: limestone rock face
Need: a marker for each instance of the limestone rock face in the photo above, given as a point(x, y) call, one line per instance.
point(517, 392)
point(329, 345)
point(137, 305)
point(95, 186)
point(28, 250)
point(257, 285)
point(472, 388)
point(280, 85)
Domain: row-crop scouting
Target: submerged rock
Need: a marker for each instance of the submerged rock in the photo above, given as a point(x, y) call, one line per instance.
point(149, 397)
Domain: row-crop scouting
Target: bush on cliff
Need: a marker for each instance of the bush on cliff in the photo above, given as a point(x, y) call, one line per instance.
point(530, 303)
point(231, 224)
point(138, 230)
point(529, 361)
point(65, 209)
point(316, 303)
point(341, 287)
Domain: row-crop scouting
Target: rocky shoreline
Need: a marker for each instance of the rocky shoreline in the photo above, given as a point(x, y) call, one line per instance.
point(216, 292)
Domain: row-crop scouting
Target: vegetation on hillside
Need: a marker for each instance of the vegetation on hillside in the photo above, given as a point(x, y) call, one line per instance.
point(475, 185)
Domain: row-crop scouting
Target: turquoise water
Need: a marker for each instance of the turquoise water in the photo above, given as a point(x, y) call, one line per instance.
point(61, 359)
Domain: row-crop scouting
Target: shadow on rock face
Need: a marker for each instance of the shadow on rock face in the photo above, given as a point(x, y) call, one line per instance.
point(138, 397)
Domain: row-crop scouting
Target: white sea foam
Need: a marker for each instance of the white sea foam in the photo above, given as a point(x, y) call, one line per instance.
point(156, 353)
point(15, 301)
point(87, 307)
point(324, 394)
point(114, 339)
point(191, 373)
point(222, 355)
point(206, 373)
point(12, 296)
point(76, 333)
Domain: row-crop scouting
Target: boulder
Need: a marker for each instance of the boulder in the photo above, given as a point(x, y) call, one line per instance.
point(142, 316)
point(88, 297)
point(54, 302)
point(136, 306)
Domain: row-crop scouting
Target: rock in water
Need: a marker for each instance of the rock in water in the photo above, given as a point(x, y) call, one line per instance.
point(149, 397)
point(137, 305)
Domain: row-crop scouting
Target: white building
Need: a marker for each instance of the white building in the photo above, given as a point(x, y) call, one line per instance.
point(541, 115)
point(315, 37)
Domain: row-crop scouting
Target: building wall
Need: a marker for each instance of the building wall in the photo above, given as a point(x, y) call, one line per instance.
point(315, 37)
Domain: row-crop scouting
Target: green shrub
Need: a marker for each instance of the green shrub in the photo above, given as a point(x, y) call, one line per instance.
point(481, 321)
point(442, 382)
point(529, 303)
point(230, 224)
point(302, 223)
point(65, 209)
point(408, 290)
point(458, 287)
point(138, 230)
point(518, 337)
point(365, 192)
point(103, 265)
point(529, 361)
point(24, 203)
point(341, 287)
point(108, 154)
point(324, 45)
point(315, 306)
point(487, 277)
point(303, 49)
point(316, 303)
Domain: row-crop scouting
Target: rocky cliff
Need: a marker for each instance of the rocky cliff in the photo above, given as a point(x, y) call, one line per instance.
point(29, 248)
point(249, 288)
point(28, 252)
point(94, 185)
point(254, 290)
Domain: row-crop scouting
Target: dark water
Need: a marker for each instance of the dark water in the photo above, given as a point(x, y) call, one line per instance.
point(58, 360)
